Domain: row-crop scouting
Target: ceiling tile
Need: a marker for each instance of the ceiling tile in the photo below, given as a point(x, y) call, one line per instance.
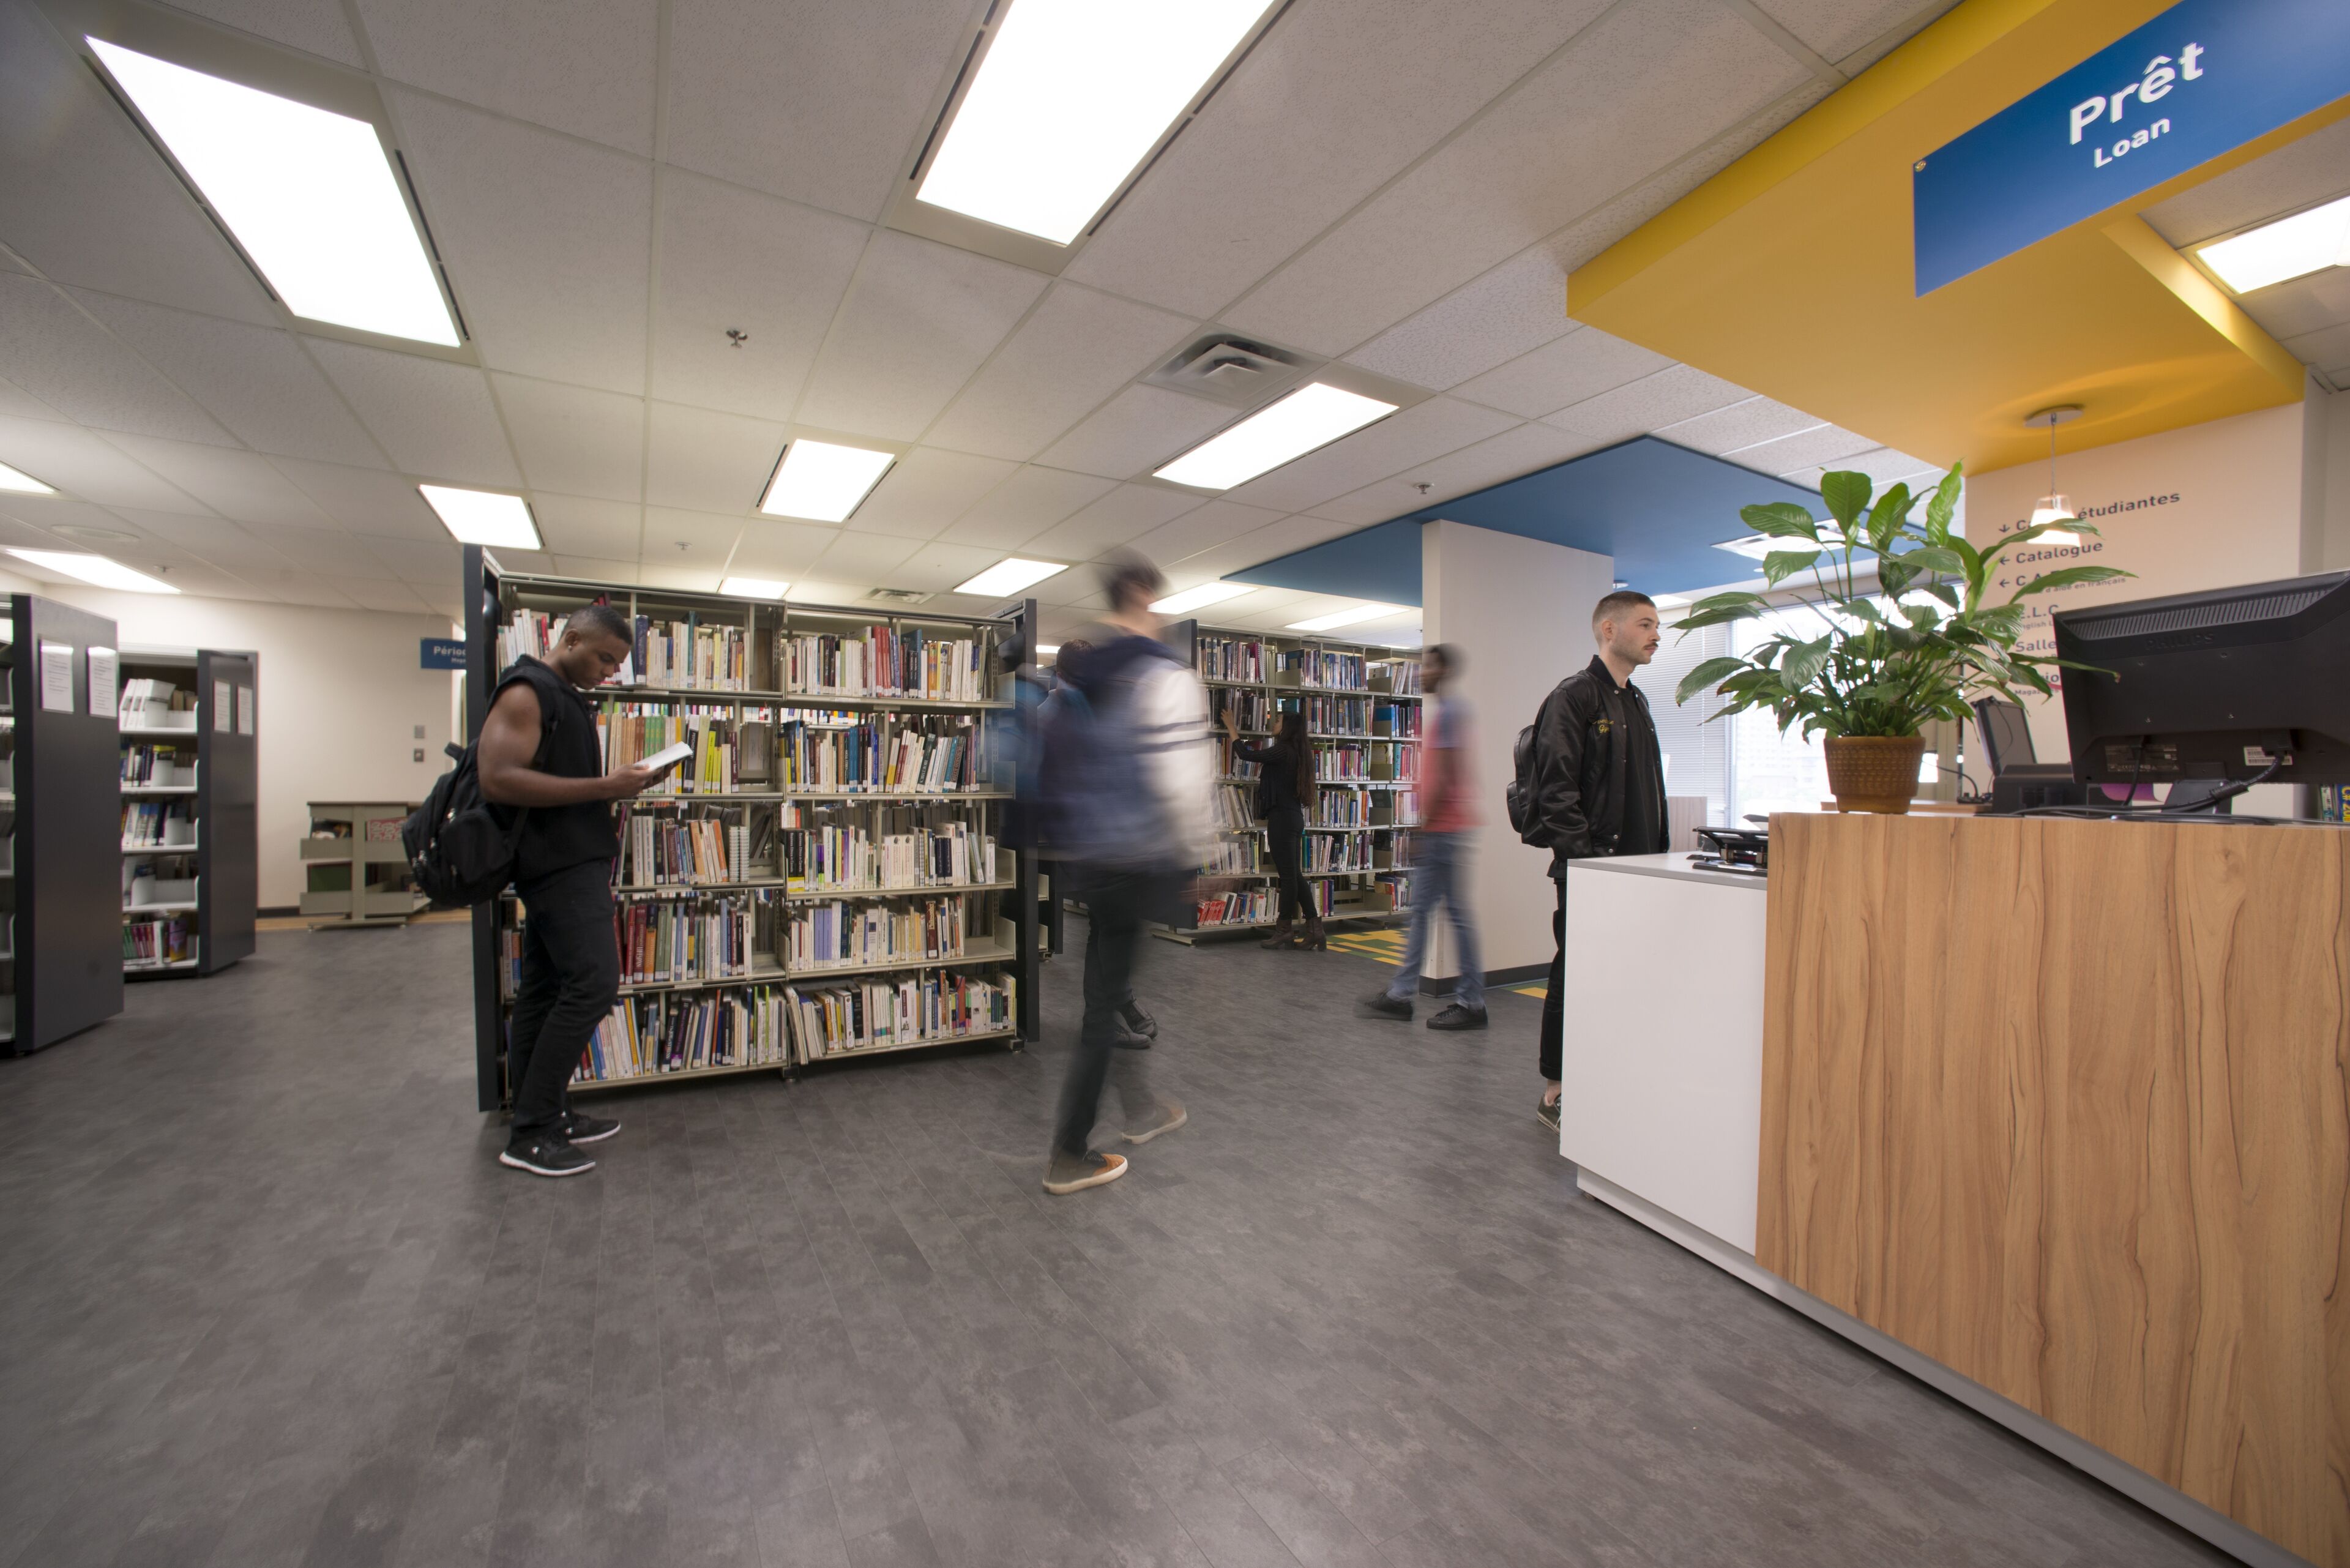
point(1512, 454)
point(546, 239)
point(1512, 310)
point(936, 566)
point(83, 465)
point(214, 539)
point(385, 594)
point(709, 461)
point(236, 485)
point(328, 551)
point(926, 490)
point(19, 404)
point(1883, 465)
point(1582, 364)
point(701, 541)
point(918, 320)
point(1826, 444)
point(821, 101)
point(2301, 305)
point(39, 512)
point(318, 26)
point(435, 419)
point(1335, 98)
point(575, 440)
point(255, 380)
point(76, 367)
point(2304, 171)
point(769, 547)
point(1117, 518)
point(1023, 506)
point(88, 200)
point(1138, 431)
point(594, 568)
point(773, 270)
point(584, 65)
point(365, 500)
point(2329, 350)
point(1274, 539)
point(420, 560)
point(1837, 30)
point(867, 558)
point(1202, 528)
point(1671, 395)
point(580, 525)
point(1076, 350)
point(1403, 440)
point(1750, 423)
point(1650, 82)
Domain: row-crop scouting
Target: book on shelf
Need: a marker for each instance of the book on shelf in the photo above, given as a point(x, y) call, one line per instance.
point(852, 847)
point(159, 823)
point(1238, 856)
point(146, 703)
point(688, 653)
point(849, 936)
point(881, 661)
point(676, 942)
point(158, 942)
point(1233, 807)
point(645, 1036)
point(1329, 670)
point(1231, 658)
point(1341, 808)
point(707, 844)
point(795, 749)
point(1239, 906)
point(878, 1016)
point(157, 766)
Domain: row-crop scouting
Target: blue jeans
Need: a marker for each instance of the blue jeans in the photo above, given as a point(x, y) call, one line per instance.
point(1440, 871)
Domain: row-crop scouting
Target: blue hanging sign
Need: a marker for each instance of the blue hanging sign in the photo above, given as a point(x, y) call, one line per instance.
point(2202, 79)
point(441, 653)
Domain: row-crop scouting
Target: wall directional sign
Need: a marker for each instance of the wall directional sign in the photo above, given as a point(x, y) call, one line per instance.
point(2202, 79)
point(441, 653)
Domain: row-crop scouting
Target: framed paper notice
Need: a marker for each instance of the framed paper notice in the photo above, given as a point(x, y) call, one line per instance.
point(102, 665)
point(56, 677)
point(244, 710)
point(224, 707)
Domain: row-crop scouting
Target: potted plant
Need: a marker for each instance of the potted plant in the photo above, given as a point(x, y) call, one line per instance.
point(1889, 658)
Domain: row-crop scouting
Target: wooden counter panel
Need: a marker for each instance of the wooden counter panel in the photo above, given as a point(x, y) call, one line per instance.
point(2066, 1106)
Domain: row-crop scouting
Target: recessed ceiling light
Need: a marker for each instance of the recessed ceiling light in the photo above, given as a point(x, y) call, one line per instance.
point(1754, 546)
point(1071, 95)
point(1312, 416)
point(1348, 617)
point(98, 569)
point(1045, 650)
point(2290, 247)
point(1009, 576)
point(1200, 598)
point(483, 517)
point(308, 193)
point(18, 479)
point(823, 482)
point(1671, 601)
point(753, 587)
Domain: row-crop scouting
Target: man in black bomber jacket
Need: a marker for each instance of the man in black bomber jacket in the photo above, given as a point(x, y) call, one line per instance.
point(1599, 781)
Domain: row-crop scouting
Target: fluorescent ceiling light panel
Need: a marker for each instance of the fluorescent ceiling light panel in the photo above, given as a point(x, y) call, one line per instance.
point(18, 479)
point(1756, 545)
point(753, 587)
point(1071, 95)
point(308, 193)
point(98, 569)
point(1206, 594)
point(823, 482)
point(1009, 576)
point(483, 517)
point(2290, 247)
point(1348, 617)
point(1312, 416)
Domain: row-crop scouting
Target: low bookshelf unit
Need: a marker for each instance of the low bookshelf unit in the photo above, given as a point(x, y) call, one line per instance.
point(186, 725)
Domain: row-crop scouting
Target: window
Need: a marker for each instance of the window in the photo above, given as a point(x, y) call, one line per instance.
point(1697, 753)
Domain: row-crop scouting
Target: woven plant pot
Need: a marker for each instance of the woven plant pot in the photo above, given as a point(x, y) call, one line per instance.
point(1873, 772)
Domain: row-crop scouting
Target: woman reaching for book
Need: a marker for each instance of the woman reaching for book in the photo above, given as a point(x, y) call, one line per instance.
point(1284, 790)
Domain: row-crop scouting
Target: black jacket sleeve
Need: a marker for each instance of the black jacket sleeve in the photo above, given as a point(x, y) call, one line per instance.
point(1561, 812)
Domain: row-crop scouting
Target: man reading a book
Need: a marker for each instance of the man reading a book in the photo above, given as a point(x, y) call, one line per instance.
point(539, 752)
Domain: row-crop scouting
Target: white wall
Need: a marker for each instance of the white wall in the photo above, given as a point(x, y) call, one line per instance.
point(2326, 481)
point(1519, 612)
point(339, 703)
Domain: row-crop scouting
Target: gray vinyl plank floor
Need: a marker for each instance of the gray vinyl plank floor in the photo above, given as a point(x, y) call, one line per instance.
point(269, 1301)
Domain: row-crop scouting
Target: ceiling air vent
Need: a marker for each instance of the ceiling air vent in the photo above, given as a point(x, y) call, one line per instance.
point(898, 597)
point(1233, 370)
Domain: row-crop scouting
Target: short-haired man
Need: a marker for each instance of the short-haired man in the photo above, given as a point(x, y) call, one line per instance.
point(1599, 781)
point(538, 750)
point(1439, 860)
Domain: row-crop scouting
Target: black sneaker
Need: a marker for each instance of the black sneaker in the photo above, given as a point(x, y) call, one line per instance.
point(1382, 1005)
point(546, 1155)
point(578, 1126)
point(1139, 1021)
point(1459, 1017)
point(1548, 1116)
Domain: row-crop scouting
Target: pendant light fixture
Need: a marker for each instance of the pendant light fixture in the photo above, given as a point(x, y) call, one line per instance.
point(2056, 506)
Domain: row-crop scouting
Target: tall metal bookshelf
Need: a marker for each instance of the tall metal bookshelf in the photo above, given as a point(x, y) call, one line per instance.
point(189, 775)
point(784, 904)
point(1362, 703)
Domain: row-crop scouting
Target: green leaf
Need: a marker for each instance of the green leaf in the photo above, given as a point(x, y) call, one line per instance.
point(1707, 674)
point(2070, 576)
point(1923, 617)
point(1862, 609)
point(1944, 505)
point(1942, 591)
point(1781, 564)
point(1801, 666)
point(1700, 619)
point(2025, 535)
point(1886, 518)
point(1847, 495)
point(1933, 558)
point(1780, 520)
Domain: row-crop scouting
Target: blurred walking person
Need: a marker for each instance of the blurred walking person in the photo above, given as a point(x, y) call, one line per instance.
point(1440, 850)
point(1285, 793)
point(1125, 781)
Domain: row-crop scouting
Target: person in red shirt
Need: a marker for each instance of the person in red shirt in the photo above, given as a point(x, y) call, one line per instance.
point(1441, 850)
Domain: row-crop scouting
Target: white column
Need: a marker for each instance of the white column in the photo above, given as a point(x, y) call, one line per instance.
point(1519, 612)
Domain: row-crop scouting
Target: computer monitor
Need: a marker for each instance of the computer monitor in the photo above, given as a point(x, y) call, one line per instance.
point(2006, 735)
point(2230, 683)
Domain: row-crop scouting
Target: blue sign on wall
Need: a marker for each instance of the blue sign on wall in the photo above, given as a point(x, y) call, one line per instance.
point(2200, 80)
point(441, 653)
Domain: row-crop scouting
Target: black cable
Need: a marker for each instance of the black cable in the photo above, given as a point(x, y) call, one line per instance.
point(2229, 791)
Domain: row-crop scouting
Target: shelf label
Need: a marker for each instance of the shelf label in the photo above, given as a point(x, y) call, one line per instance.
point(56, 677)
point(102, 665)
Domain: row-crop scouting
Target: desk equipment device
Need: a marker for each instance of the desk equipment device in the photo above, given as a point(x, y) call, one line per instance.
point(2019, 780)
point(1743, 850)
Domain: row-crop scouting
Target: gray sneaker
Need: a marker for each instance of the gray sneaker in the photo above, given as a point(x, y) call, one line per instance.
point(1075, 1172)
point(1166, 1118)
point(1459, 1017)
point(1548, 1116)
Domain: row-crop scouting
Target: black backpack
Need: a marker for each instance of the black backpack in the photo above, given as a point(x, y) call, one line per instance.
point(458, 854)
point(1523, 790)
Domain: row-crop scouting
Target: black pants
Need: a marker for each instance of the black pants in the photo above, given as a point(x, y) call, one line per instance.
point(1286, 830)
point(1554, 1023)
point(1117, 904)
point(570, 977)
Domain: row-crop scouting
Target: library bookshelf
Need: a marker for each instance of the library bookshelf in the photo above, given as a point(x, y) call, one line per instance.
point(1362, 707)
point(186, 726)
point(831, 875)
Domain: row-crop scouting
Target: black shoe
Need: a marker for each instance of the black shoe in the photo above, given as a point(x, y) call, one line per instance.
point(1382, 1005)
point(1548, 1114)
point(1139, 1021)
point(1458, 1017)
point(578, 1126)
point(546, 1155)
